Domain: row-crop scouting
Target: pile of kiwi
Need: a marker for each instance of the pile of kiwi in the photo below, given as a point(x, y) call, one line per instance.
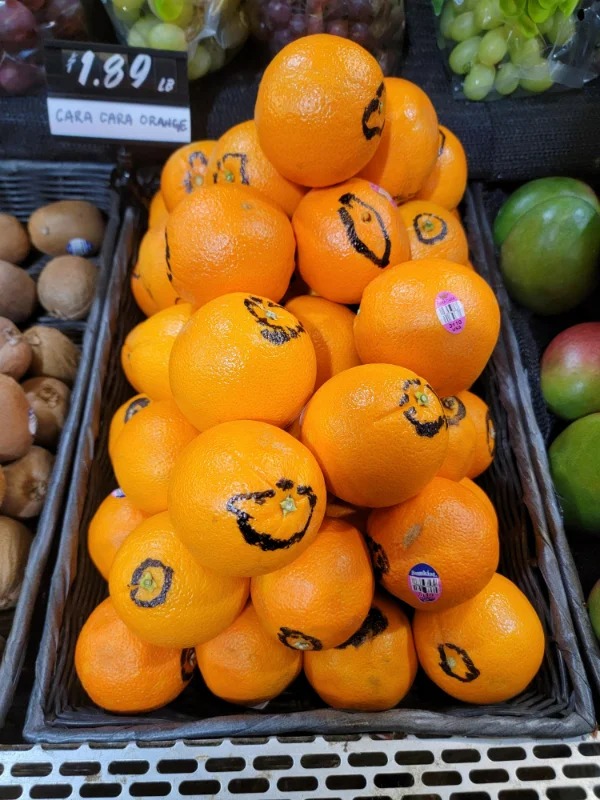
point(38, 365)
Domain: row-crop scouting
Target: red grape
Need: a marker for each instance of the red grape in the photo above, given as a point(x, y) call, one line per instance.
point(17, 23)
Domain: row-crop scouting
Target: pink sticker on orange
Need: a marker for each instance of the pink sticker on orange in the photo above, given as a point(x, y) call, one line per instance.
point(450, 312)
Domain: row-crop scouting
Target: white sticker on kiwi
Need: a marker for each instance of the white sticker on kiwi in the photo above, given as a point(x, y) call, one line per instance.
point(32, 422)
point(79, 247)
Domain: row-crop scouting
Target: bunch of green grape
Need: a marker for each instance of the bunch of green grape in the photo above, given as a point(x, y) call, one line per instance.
point(495, 52)
point(177, 25)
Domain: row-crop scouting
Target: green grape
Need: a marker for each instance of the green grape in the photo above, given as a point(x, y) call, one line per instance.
point(199, 64)
point(537, 77)
point(166, 10)
point(463, 27)
point(167, 37)
point(216, 53)
point(446, 19)
point(545, 27)
point(479, 82)
point(460, 6)
point(186, 16)
point(492, 48)
point(128, 5)
point(488, 15)
point(528, 52)
point(135, 39)
point(126, 15)
point(464, 55)
point(138, 35)
point(562, 31)
point(507, 78)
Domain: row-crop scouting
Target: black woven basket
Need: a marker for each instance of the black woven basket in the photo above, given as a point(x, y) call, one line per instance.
point(577, 553)
point(558, 703)
point(24, 187)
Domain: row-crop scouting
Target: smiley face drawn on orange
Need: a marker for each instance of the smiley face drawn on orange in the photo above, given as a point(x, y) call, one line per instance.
point(194, 176)
point(430, 228)
point(455, 410)
point(365, 229)
point(271, 316)
point(379, 559)
point(135, 406)
point(297, 640)
point(375, 623)
point(150, 583)
point(288, 508)
point(417, 397)
point(232, 168)
point(456, 663)
point(491, 433)
point(373, 118)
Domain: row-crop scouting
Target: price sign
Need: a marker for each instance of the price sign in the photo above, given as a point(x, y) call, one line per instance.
point(112, 92)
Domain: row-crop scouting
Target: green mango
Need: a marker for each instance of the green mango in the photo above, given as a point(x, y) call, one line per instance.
point(550, 255)
point(538, 191)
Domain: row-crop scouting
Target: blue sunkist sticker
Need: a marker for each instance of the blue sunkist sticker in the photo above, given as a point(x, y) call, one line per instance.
point(118, 493)
point(425, 583)
point(79, 247)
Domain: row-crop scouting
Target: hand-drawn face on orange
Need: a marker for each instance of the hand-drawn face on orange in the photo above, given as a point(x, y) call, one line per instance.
point(417, 399)
point(379, 559)
point(194, 176)
point(375, 623)
point(442, 142)
point(188, 664)
point(232, 168)
point(278, 326)
point(288, 509)
point(365, 229)
point(150, 583)
point(135, 406)
point(454, 409)
point(373, 118)
point(297, 640)
point(456, 663)
point(430, 228)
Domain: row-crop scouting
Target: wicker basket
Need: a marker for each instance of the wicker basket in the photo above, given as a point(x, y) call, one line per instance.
point(558, 703)
point(24, 187)
point(577, 555)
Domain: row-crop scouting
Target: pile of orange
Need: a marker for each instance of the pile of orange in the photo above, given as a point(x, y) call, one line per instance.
point(295, 474)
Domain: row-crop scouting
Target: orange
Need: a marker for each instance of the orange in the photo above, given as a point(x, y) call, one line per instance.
point(438, 318)
point(331, 330)
point(321, 598)
point(185, 172)
point(371, 671)
point(238, 158)
point(379, 433)
point(147, 348)
point(478, 491)
point(346, 236)
point(409, 144)
point(320, 109)
point(245, 665)
point(447, 181)
point(141, 295)
point(434, 232)
point(229, 238)
point(151, 271)
point(437, 549)
point(242, 357)
point(157, 213)
point(123, 674)
point(122, 416)
point(115, 518)
point(164, 596)
point(260, 501)
point(486, 650)
point(145, 452)
point(462, 440)
point(479, 413)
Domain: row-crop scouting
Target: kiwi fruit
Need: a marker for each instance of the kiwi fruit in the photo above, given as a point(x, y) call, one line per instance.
point(54, 354)
point(18, 420)
point(2, 486)
point(14, 241)
point(15, 543)
point(49, 399)
point(17, 293)
point(27, 484)
point(68, 227)
point(15, 350)
point(66, 287)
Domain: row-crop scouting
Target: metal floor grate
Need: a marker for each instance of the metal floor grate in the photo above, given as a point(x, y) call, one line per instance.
point(309, 768)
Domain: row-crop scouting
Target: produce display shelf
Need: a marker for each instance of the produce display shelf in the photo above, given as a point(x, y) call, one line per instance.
point(348, 768)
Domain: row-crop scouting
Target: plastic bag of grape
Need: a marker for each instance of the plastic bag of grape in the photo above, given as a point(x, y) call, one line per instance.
point(378, 25)
point(24, 24)
point(211, 31)
point(497, 48)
